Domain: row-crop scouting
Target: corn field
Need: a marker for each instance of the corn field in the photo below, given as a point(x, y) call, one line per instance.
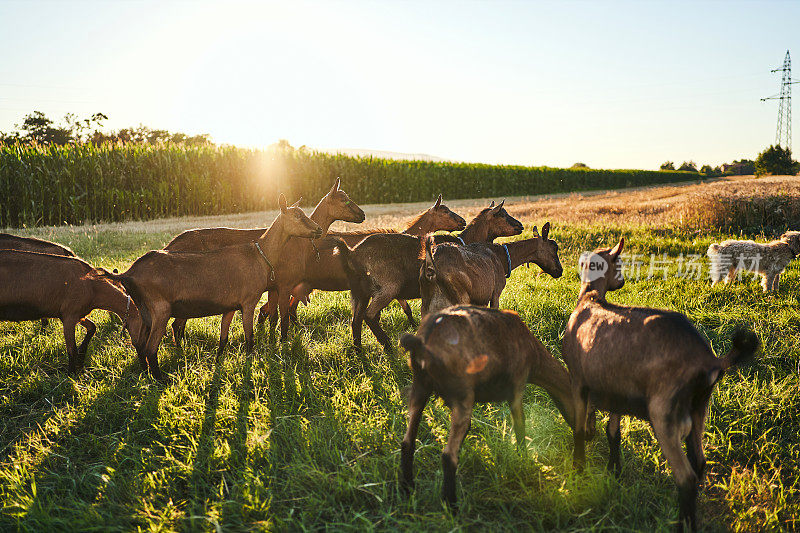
point(55, 185)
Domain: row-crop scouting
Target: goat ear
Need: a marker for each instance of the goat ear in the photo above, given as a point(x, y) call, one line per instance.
point(282, 203)
point(336, 185)
point(615, 251)
point(438, 202)
point(535, 231)
point(498, 207)
point(491, 205)
point(297, 203)
point(545, 230)
point(477, 364)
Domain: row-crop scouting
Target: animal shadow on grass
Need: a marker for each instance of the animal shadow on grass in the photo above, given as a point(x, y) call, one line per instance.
point(29, 408)
point(199, 481)
point(83, 467)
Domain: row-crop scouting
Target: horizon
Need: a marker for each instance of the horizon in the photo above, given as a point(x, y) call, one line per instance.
point(611, 85)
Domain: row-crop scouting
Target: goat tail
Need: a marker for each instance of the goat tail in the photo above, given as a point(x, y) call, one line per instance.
point(415, 346)
point(745, 344)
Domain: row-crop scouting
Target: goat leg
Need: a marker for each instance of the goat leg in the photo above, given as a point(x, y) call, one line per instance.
point(224, 327)
point(407, 311)
point(248, 313)
point(417, 399)
point(69, 340)
point(90, 328)
point(178, 330)
point(667, 432)
point(518, 418)
point(460, 418)
point(580, 399)
point(614, 439)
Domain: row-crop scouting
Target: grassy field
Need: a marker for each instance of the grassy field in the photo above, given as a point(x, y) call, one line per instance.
point(306, 434)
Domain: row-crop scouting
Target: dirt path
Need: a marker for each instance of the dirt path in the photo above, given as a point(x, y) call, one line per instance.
point(653, 205)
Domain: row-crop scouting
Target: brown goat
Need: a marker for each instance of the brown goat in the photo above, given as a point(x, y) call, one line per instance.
point(298, 252)
point(648, 363)
point(384, 267)
point(476, 273)
point(469, 355)
point(37, 285)
point(198, 284)
point(30, 244)
point(327, 273)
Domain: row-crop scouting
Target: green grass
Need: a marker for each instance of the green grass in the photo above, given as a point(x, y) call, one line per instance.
point(306, 434)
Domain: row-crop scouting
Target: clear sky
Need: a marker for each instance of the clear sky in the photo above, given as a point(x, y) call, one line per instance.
point(610, 84)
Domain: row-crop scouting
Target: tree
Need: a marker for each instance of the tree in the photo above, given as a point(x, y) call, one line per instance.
point(667, 166)
point(707, 170)
point(775, 160)
point(580, 165)
point(688, 166)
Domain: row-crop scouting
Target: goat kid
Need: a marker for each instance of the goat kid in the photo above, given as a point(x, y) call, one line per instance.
point(476, 273)
point(468, 355)
point(36, 286)
point(648, 363)
point(198, 284)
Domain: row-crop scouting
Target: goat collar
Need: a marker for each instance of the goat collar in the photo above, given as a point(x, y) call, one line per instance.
point(271, 268)
point(460, 240)
point(508, 258)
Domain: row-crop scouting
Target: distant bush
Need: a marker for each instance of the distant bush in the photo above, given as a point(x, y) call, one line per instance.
point(51, 185)
point(688, 166)
point(667, 166)
point(580, 165)
point(770, 214)
point(775, 160)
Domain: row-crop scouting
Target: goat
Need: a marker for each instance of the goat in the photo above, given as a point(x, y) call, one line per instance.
point(476, 273)
point(468, 355)
point(36, 285)
point(30, 244)
point(648, 363)
point(222, 281)
point(298, 252)
point(384, 267)
point(769, 259)
point(326, 273)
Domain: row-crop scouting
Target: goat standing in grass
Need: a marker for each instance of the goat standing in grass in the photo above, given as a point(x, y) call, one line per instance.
point(768, 260)
point(476, 273)
point(326, 273)
point(648, 363)
point(298, 254)
point(35, 286)
point(385, 267)
point(469, 355)
point(30, 244)
point(199, 284)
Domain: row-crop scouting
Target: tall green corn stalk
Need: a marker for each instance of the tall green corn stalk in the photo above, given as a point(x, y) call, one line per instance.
point(52, 185)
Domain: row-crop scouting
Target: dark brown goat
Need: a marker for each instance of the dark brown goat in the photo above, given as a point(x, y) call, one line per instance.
point(298, 252)
point(468, 355)
point(198, 284)
point(387, 266)
point(476, 273)
point(327, 272)
point(648, 363)
point(30, 244)
point(36, 285)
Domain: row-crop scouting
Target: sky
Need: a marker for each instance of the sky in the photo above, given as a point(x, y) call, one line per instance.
point(609, 84)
